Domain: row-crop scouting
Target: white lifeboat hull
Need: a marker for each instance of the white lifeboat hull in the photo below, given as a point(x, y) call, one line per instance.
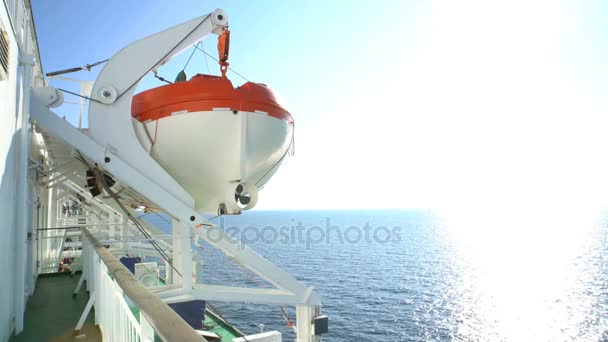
point(209, 153)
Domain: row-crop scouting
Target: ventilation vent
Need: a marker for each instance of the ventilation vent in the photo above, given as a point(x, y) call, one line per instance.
point(3, 55)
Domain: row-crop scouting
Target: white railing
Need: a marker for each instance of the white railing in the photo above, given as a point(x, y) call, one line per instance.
point(115, 318)
point(57, 243)
point(54, 248)
point(112, 312)
point(112, 288)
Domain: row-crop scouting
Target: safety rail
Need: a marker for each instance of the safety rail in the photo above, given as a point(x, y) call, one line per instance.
point(61, 252)
point(116, 320)
point(59, 246)
point(110, 284)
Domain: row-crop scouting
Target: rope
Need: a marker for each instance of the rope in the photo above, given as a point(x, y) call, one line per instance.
point(215, 309)
point(205, 55)
point(239, 267)
point(76, 94)
point(132, 218)
point(166, 55)
point(293, 132)
point(189, 58)
point(286, 317)
point(215, 59)
point(137, 225)
point(292, 146)
point(150, 211)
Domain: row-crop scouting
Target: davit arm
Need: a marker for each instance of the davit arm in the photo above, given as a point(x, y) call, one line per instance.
point(113, 145)
point(110, 109)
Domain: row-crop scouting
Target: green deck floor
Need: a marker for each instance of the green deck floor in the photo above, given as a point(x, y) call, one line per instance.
point(216, 325)
point(51, 313)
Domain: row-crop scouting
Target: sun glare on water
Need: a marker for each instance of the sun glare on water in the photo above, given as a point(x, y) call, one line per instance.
point(534, 278)
point(523, 195)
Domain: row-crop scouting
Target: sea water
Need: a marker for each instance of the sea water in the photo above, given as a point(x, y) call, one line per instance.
point(409, 275)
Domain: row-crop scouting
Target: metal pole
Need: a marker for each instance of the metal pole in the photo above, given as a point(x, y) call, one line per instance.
point(80, 114)
point(22, 194)
point(78, 226)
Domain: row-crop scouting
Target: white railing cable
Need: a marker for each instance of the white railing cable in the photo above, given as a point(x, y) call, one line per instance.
point(113, 314)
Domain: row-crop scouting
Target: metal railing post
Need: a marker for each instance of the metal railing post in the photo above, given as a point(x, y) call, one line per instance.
point(110, 281)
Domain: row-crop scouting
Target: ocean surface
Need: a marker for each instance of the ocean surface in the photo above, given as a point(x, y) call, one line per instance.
point(410, 275)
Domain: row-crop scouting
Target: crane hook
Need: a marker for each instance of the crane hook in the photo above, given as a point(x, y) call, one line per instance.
point(223, 48)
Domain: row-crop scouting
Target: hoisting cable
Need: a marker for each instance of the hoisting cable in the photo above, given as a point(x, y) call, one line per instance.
point(139, 227)
point(292, 146)
point(239, 267)
point(165, 56)
point(215, 59)
point(206, 61)
point(189, 58)
point(290, 324)
point(151, 211)
point(181, 76)
point(132, 218)
point(216, 310)
point(286, 317)
point(76, 94)
point(293, 132)
point(87, 67)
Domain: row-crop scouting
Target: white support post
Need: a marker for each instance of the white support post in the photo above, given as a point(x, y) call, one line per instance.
point(182, 255)
point(118, 231)
point(85, 313)
point(147, 332)
point(169, 271)
point(51, 222)
point(123, 231)
point(304, 316)
point(22, 191)
point(79, 285)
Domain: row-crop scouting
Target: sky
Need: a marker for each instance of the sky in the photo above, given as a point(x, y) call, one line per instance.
point(397, 104)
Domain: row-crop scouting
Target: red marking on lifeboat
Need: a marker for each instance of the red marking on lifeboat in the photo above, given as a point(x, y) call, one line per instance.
point(204, 93)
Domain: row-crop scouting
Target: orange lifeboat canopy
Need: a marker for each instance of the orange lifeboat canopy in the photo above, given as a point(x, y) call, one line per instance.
point(205, 93)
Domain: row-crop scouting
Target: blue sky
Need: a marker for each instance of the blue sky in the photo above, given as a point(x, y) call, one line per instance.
point(397, 103)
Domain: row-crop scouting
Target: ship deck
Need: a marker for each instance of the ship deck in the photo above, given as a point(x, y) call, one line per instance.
point(52, 313)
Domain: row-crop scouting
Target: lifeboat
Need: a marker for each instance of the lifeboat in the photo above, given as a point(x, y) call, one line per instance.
point(219, 142)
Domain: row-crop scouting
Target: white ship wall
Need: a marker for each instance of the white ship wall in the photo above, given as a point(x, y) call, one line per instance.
point(17, 250)
point(8, 164)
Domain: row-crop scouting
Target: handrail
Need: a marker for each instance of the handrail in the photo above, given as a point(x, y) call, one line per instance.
point(165, 321)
